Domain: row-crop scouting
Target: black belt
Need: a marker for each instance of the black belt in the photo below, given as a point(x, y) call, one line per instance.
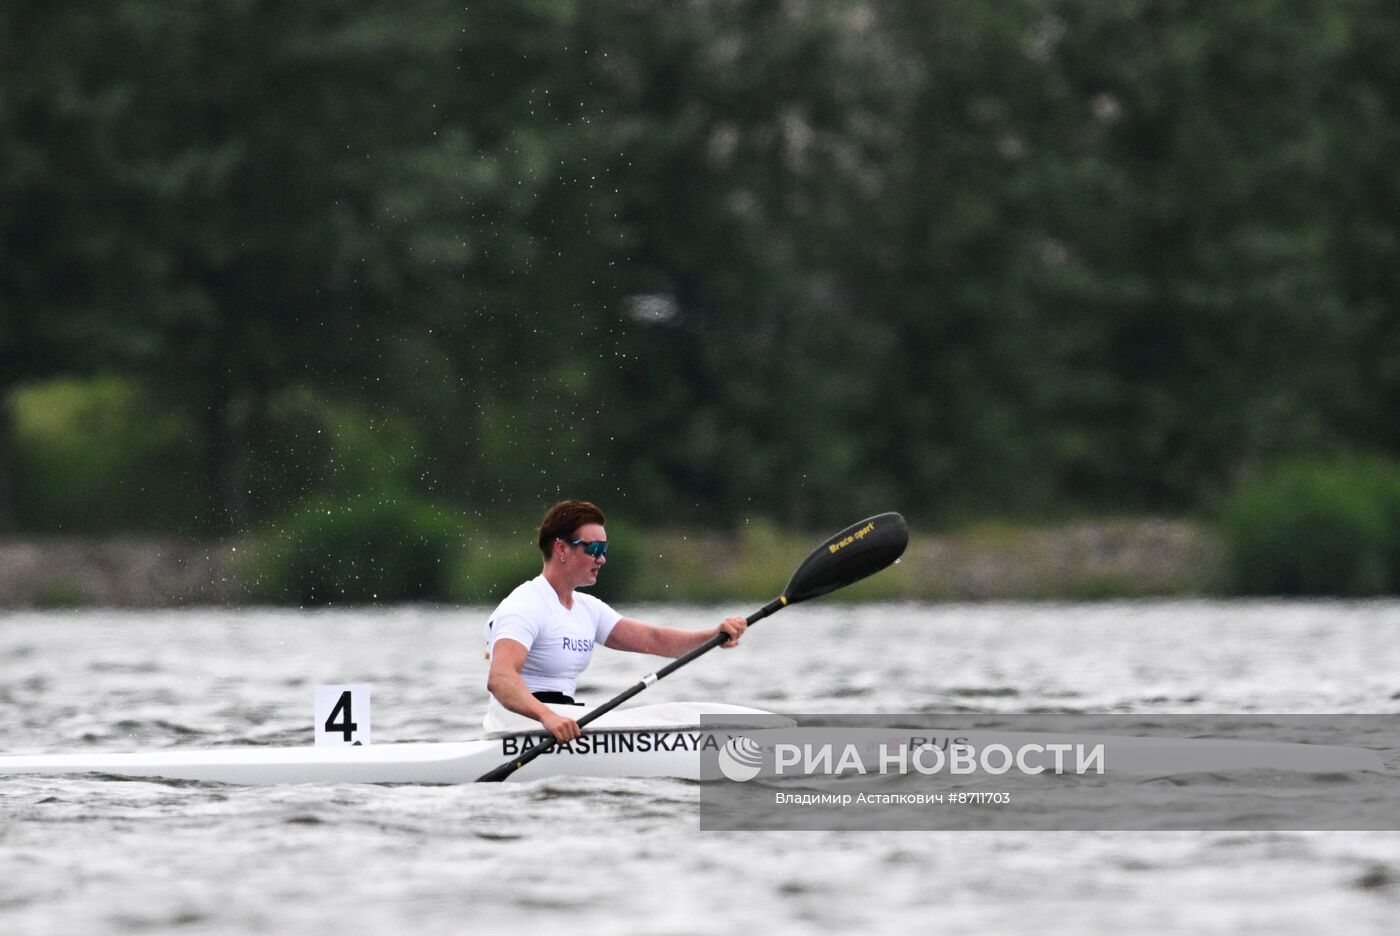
point(555, 698)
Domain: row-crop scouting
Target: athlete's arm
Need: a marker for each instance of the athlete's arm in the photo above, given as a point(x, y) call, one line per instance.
point(504, 682)
point(638, 637)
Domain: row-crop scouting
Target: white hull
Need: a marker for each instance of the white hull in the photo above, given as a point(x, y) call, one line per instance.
point(664, 753)
point(648, 741)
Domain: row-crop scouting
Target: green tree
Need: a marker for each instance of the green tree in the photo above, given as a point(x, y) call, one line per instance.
point(79, 291)
point(742, 140)
point(1360, 109)
point(1199, 310)
point(244, 153)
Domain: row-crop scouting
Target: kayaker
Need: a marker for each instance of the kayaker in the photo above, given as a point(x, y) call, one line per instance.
point(541, 637)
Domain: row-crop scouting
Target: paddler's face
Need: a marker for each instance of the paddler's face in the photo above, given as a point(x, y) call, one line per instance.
point(578, 558)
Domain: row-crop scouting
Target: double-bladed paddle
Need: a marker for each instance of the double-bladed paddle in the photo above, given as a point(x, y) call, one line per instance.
point(857, 552)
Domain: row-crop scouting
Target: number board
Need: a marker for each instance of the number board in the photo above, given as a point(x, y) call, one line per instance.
point(342, 715)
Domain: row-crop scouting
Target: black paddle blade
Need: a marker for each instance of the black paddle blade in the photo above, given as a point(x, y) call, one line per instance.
point(855, 553)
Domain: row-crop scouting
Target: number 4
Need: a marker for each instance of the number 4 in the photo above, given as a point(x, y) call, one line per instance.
point(346, 727)
point(342, 715)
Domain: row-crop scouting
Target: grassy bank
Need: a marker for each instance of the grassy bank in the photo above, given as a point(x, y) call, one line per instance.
point(372, 558)
point(1084, 560)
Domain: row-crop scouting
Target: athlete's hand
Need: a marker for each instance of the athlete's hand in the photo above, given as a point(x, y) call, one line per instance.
point(735, 628)
point(563, 729)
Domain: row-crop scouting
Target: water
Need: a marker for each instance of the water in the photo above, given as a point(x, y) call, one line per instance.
point(623, 856)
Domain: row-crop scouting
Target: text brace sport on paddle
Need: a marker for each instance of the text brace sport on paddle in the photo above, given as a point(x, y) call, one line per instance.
point(857, 552)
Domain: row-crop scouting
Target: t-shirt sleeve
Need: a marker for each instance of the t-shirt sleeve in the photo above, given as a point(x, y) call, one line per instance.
point(515, 626)
point(604, 617)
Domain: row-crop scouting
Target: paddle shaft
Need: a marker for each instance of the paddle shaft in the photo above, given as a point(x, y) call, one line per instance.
point(548, 744)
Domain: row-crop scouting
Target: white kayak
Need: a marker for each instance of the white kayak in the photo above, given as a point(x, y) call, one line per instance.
point(667, 740)
point(664, 740)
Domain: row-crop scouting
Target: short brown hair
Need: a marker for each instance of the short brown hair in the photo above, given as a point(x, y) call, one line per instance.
point(561, 520)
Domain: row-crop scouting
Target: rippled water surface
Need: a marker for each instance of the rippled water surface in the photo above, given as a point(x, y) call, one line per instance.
point(626, 856)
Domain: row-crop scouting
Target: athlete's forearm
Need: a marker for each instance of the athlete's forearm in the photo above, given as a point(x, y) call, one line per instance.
point(637, 637)
point(510, 690)
point(673, 642)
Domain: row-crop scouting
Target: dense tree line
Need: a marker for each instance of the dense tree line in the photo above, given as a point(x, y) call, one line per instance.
point(710, 261)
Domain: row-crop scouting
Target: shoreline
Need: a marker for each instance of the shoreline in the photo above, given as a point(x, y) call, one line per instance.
point(1079, 560)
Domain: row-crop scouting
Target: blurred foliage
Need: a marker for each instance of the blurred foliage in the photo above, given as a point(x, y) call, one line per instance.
point(370, 549)
point(1317, 528)
point(101, 456)
point(715, 265)
point(491, 565)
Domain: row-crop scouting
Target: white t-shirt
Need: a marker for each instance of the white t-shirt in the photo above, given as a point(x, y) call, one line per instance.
point(560, 640)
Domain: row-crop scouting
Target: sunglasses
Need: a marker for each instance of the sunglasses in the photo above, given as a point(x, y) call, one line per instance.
point(595, 548)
